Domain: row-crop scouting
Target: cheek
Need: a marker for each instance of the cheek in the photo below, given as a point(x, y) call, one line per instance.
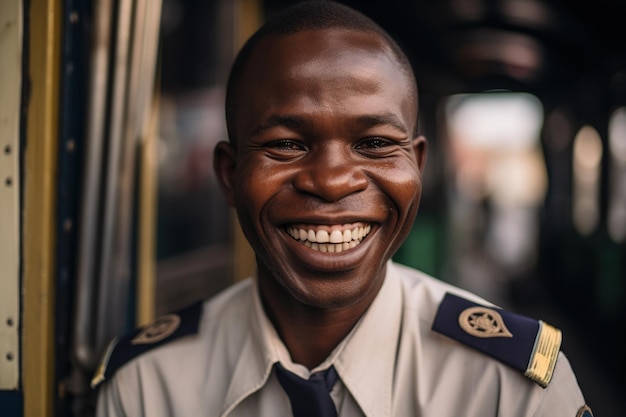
point(403, 185)
point(250, 179)
point(404, 189)
point(256, 185)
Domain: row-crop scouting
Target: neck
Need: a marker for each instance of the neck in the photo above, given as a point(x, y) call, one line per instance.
point(310, 336)
point(310, 333)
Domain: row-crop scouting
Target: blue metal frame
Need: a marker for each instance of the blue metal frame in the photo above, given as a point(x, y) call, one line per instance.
point(73, 103)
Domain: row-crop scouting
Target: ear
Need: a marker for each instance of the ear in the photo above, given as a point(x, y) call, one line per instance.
point(224, 161)
point(420, 148)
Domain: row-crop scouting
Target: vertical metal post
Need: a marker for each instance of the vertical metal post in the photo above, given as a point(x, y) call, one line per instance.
point(123, 64)
point(85, 310)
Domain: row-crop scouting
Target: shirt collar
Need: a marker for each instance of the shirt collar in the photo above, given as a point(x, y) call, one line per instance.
point(370, 382)
point(274, 350)
point(375, 336)
point(257, 357)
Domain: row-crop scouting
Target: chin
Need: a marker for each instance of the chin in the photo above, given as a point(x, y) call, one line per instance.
point(336, 290)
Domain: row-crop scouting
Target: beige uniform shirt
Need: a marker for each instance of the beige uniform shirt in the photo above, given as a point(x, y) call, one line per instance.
point(391, 364)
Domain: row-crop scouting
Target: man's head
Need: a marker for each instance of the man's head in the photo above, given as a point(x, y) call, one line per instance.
point(312, 15)
point(324, 165)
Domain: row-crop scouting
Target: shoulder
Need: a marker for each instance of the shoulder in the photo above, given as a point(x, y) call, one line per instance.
point(528, 345)
point(469, 340)
point(423, 293)
point(178, 329)
point(531, 346)
point(159, 332)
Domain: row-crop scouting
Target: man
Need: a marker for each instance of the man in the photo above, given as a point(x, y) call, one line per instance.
point(324, 167)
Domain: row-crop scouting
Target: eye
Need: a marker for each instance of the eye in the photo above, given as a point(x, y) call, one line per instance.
point(285, 145)
point(374, 143)
point(377, 146)
point(284, 148)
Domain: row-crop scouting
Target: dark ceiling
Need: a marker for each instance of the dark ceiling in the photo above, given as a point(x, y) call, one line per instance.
point(544, 47)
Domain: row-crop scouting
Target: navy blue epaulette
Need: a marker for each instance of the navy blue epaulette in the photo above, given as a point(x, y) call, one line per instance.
point(529, 345)
point(162, 330)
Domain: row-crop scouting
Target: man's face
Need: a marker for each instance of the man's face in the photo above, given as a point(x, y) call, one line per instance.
point(327, 174)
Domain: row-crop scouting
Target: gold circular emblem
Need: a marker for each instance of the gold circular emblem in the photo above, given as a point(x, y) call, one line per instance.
point(483, 322)
point(158, 330)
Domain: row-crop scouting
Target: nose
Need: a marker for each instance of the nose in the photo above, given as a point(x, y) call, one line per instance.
point(330, 173)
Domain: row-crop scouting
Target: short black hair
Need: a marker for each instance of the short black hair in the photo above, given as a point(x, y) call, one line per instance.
point(306, 15)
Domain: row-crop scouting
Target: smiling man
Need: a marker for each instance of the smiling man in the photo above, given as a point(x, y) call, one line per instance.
point(324, 167)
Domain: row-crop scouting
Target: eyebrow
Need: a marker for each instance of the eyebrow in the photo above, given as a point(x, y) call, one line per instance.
point(290, 122)
point(297, 122)
point(382, 120)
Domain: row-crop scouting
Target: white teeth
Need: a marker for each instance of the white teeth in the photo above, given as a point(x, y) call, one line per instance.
point(336, 236)
point(322, 236)
point(336, 240)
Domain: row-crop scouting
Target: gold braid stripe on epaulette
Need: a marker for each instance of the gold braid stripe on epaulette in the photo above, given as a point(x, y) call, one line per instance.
point(99, 376)
point(545, 353)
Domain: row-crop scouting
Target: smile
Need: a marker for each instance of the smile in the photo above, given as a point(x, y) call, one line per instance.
point(331, 239)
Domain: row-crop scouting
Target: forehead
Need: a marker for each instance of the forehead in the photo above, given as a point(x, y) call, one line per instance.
point(315, 49)
point(327, 65)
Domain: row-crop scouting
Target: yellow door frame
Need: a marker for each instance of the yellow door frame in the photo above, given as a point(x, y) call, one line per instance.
point(40, 168)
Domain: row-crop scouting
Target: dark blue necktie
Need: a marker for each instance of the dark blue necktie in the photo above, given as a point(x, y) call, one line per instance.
point(309, 397)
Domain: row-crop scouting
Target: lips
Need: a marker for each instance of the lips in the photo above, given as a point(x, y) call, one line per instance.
point(330, 239)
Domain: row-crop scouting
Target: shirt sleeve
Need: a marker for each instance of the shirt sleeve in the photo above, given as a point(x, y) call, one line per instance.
point(118, 397)
point(108, 403)
point(563, 397)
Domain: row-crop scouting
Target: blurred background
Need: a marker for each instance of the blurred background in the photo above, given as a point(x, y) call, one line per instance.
point(110, 213)
point(524, 106)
